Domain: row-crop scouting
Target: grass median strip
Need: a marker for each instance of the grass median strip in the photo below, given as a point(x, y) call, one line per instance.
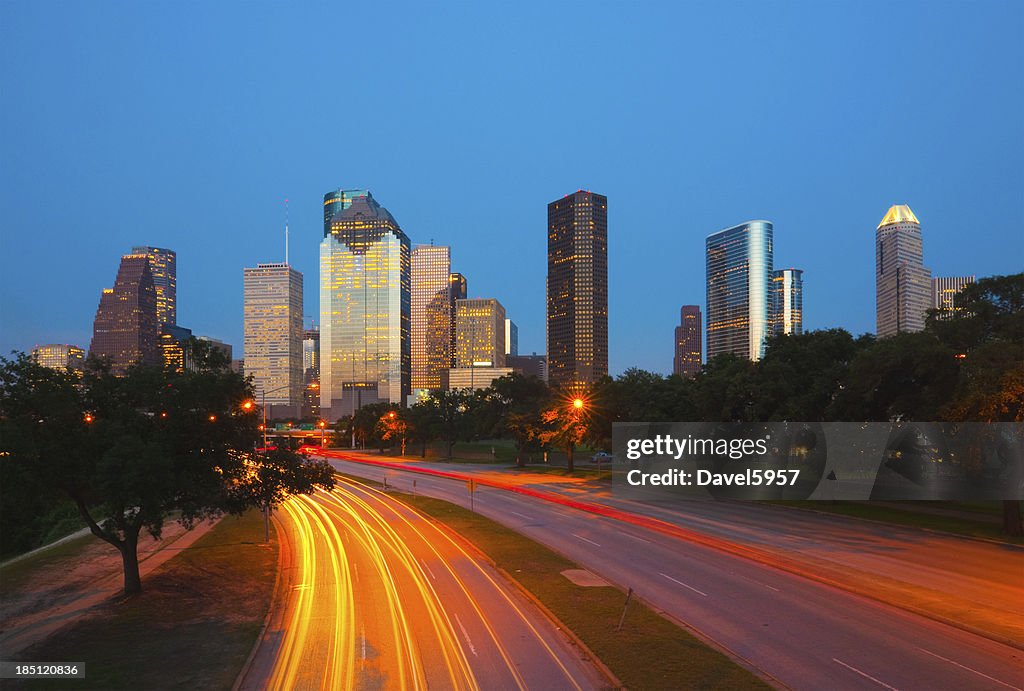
point(191, 628)
point(650, 652)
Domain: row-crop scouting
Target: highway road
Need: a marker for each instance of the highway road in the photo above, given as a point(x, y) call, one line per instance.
point(804, 634)
point(380, 597)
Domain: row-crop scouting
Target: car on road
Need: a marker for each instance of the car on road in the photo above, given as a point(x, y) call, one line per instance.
point(603, 457)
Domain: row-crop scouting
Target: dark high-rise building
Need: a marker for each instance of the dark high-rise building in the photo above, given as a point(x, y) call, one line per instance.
point(163, 265)
point(787, 302)
point(739, 300)
point(529, 365)
point(689, 335)
point(174, 348)
point(577, 289)
point(456, 291)
point(365, 346)
point(126, 328)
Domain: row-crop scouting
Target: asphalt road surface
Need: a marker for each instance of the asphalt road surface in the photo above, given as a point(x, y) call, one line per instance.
point(379, 597)
point(802, 633)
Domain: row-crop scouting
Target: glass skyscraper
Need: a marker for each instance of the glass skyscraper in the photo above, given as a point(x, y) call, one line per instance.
point(431, 315)
point(163, 266)
point(787, 302)
point(273, 334)
point(688, 342)
point(739, 276)
point(457, 290)
point(126, 328)
point(577, 289)
point(365, 347)
point(903, 286)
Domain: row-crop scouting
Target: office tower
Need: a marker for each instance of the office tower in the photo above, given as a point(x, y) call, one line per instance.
point(511, 338)
point(787, 302)
point(163, 265)
point(431, 315)
point(364, 308)
point(456, 292)
point(479, 333)
point(60, 356)
point(273, 336)
point(126, 329)
point(311, 373)
point(174, 347)
point(903, 290)
point(739, 273)
point(944, 292)
point(529, 365)
point(687, 360)
point(337, 201)
point(577, 289)
point(472, 378)
point(215, 344)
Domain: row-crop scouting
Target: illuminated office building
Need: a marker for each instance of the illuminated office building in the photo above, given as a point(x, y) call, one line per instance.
point(577, 289)
point(273, 336)
point(903, 287)
point(60, 356)
point(511, 338)
point(174, 347)
point(126, 329)
point(456, 291)
point(688, 342)
point(311, 373)
point(944, 292)
point(739, 276)
point(365, 298)
point(787, 302)
point(431, 315)
point(479, 333)
point(472, 378)
point(163, 266)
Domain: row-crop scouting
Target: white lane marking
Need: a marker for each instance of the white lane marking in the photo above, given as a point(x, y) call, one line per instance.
point(865, 675)
point(355, 566)
point(522, 515)
point(586, 540)
point(634, 537)
point(465, 634)
point(362, 638)
point(772, 588)
point(683, 584)
point(980, 674)
point(428, 569)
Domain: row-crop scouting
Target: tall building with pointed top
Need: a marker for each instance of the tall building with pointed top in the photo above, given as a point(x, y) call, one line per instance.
point(126, 329)
point(739, 300)
point(787, 302)
point(365, 347)
point(903, 289)
point(163, 266)
point(273, 336)
point(688, 343)
point(431, 315)
point(577, 289)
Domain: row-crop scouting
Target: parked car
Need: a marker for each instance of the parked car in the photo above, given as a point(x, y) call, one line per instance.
point(603, 457)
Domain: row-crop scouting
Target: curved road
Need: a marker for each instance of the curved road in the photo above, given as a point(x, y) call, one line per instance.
point(804, 634)
point(380, 597)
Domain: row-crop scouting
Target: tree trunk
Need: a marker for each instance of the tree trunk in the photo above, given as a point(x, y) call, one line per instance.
point(1012, 524)
point(423, 453)
point(451, 445)
point(130, 560)
point(568, 453)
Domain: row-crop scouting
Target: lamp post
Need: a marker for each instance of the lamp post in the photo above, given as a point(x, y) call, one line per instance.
point(266, 504)
point(323, 440)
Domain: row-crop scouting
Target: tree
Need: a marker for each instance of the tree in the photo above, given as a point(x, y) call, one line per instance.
point(131, 451)
point(514, 405)
point(453, 413)
point(566, 423)
point(423, 423)
point(393, 425)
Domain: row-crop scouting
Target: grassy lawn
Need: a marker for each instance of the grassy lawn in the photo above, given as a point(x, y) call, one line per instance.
point(650, 652)
point(589, 473)
point(16, 574)
point(958, 525)
point(191, 628)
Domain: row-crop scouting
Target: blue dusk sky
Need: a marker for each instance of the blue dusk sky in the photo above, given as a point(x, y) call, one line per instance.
point(186, 125)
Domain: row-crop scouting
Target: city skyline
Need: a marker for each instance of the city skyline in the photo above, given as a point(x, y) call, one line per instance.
point(949, 123)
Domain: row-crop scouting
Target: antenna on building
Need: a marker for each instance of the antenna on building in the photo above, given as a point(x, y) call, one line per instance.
point(285, 231)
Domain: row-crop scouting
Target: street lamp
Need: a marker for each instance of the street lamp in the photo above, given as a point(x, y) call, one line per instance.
point(323, 440)
point(263, 404)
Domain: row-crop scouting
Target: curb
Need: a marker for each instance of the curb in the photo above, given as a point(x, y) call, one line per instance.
point(275, 597)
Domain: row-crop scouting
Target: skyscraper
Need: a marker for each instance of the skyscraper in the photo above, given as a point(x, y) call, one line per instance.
point(273, 336)
point(174, 346)
point(688, 346)
point(903, 290)
point(577, 289)
point(456, 291)
point(126, 328)
point(431, 315)
point(163, 265)
point(311, 372)
point(787, 302)
point(479, 333)
point(511, 338)
point(59, 356)
point(364, 307)
point(944, 292)
point(739, 273)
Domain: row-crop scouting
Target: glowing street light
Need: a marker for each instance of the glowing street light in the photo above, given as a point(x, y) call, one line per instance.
point(578, 404)
point(88, 418)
